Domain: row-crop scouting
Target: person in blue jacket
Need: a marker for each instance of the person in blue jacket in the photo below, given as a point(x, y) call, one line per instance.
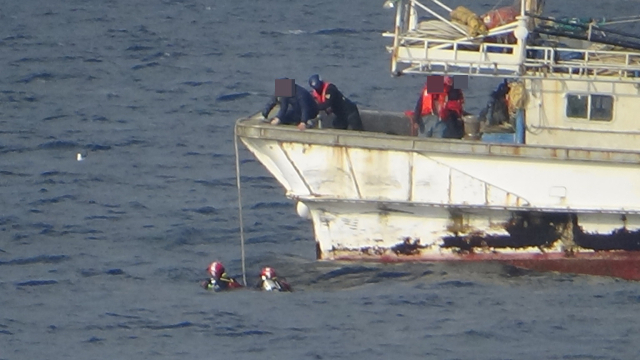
point(300, 109)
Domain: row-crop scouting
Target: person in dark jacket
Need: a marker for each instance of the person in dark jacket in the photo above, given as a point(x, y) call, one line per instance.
point(497, 110)
point(298, 109)
point(331, 100)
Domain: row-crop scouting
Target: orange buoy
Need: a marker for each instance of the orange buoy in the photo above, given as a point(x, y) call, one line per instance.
point(501, 16)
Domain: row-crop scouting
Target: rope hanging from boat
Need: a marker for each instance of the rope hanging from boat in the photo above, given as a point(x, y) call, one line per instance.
point(235, 142)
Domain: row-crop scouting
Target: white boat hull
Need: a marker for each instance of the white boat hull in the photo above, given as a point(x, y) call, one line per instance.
point(374, 193)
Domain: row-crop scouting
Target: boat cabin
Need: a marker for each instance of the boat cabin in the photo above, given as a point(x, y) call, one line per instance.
point(579, 79)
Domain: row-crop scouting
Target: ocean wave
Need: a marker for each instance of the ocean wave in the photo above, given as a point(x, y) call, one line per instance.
point(329, 31)
point(233, 96)
point(197, 83)
point(335, 31)
point(97, 147)
point(284, 32)
point(455, 284)
point(40, 259)
point(37, 283)
point(271, 205)
point(147, 65)
point(205, 210)
point(58, 145)
point(243, 333)
point(347, 270)
point(37, 76)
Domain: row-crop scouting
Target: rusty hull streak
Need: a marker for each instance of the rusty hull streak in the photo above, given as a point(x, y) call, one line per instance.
point(616, 254)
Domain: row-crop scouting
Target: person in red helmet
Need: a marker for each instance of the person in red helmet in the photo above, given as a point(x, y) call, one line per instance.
point(269, 281)
point(219, 280)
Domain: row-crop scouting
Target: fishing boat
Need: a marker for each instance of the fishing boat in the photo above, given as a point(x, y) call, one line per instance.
point(558, 191)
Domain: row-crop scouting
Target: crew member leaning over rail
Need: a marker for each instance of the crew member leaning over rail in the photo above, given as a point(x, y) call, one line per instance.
point(331, 100)
point(300, 109)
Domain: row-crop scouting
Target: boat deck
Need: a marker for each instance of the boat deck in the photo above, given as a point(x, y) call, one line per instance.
point(389, 130)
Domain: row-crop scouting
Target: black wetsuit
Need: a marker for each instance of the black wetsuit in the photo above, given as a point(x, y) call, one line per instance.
point(346, 112)
point(497, 110)
point(224, 283)
point(276, 285)
point(293, 110)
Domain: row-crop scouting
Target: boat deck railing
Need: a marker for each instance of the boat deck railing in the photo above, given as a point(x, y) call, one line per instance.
point(446, 48)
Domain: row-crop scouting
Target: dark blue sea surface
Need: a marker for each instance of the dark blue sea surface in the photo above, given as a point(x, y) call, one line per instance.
point(101, 258)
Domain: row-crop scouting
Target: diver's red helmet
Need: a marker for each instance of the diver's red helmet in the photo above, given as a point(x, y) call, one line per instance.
point(267, 273)
point(448, 80)
point(216, 269)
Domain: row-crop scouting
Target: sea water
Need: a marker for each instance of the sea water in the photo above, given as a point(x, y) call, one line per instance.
point(101, 258)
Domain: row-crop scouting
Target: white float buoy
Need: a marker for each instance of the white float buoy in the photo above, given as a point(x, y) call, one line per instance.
point(303, 210)
point(79, 157)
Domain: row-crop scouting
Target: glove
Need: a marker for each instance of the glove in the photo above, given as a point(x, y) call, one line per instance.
point(206, 284)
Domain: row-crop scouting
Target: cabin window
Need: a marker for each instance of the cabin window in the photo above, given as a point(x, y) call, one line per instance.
point(591, 107)
point(601, 108)
point(577, 106)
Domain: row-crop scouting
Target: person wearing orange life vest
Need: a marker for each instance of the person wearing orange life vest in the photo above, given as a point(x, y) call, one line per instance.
point(429, 103)
point(443, 111)
point(331, 100)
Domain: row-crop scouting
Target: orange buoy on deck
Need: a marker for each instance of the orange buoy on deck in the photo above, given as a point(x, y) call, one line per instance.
point(501, 16)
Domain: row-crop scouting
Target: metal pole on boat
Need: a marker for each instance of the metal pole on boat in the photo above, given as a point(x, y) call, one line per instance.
point(235, 142)
point(520, 126)
point(396, 39)
point(458, 28)
point(443, 5)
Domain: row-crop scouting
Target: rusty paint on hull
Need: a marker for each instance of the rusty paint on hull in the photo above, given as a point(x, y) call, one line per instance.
point(543, 231)
point(525, 230)
point(624, 265)
point(619, 239)
point(616, 254)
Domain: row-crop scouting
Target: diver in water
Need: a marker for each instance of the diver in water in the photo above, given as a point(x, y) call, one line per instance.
point(219, 280)
point(270, 282)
